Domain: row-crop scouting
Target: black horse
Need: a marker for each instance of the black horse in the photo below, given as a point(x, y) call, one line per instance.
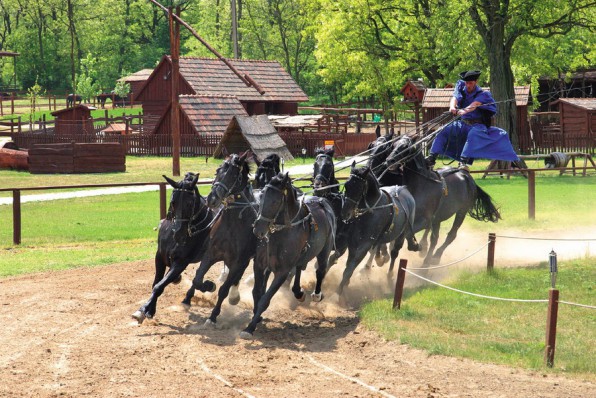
point(182, 239)
point(102, 98)
point(377, 216)
point(326, 185)
point(439, 195)
point(72, 98)
point(231, 238)
point(266, 170)
point(291, 233)
point(378, 151)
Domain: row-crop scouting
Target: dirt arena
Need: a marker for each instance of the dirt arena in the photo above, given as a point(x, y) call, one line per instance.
point(70, 334)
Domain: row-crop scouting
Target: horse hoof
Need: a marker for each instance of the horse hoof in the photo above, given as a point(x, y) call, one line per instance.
point(177, 280)
point(234, 300)
point(414, 248)
point(139, 316)
point(185, 305)
point(208, 286)
point(246, 335)
point(302, 296)
point(209, 324)
point(317, 297)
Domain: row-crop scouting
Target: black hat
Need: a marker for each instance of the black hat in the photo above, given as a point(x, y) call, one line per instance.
point(470, 75)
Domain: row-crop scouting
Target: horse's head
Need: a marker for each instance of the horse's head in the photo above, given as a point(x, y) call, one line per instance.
point(274, 203)
point(230, 179)
point(379, 149)
point(183, 205)
point(403, 151)
point(324, 172)
point(355, 189)
point(266, 170)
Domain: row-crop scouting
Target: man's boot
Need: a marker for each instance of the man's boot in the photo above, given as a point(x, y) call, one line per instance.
point(464, 164)
point(431, 159)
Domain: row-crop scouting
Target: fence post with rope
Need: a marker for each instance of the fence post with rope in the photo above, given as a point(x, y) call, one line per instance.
point(399, 283)
point(490, 261)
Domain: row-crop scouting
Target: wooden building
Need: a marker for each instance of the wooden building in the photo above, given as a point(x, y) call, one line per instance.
point(136, 81)
point(255, 133)
point(211, 77)
point(436, 102)
point(578, 123)
point(580, 84)
point(74, 121)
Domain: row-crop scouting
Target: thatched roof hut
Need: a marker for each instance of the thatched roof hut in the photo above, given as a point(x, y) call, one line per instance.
point(255, 133)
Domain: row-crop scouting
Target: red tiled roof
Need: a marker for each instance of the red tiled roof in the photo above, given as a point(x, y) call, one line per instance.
point(439, 97)
point(208, 76)
point(211, 113)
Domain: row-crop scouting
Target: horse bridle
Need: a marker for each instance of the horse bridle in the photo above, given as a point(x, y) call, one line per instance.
point(272, 226)
point(193, 216)
point(359, 212)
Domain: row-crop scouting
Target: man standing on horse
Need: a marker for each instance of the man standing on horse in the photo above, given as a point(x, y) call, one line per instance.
point(471, 136)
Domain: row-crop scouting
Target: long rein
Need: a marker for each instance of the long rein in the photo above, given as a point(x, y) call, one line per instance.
point(190, 229)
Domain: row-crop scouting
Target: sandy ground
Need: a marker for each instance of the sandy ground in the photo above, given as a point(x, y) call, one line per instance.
point(70, 333)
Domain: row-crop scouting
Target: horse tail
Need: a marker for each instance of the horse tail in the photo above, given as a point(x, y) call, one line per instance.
point(483, 208)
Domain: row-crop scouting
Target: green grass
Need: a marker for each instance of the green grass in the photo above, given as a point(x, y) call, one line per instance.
point(448, 323)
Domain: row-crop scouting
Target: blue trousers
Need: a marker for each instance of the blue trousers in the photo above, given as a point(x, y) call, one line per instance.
point(459, 140)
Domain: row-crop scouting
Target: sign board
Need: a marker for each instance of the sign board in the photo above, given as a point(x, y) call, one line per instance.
point(329, 144)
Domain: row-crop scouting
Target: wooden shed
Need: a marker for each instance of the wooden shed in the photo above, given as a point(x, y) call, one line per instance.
point(579, 84)
point(74, 121)
point(202, 115)
point(436, 102)
point(255, 133)
point(578, 122)
point(136, 81)
point(211, 76)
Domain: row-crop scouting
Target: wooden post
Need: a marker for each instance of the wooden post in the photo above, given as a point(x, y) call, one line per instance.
point(162, 200)
point(531, 194)
point(12, 103)
point(174, 114)
point(551, 327)
point(399, 283)
point(1, 107)
point(490, 261)
point(16, 216)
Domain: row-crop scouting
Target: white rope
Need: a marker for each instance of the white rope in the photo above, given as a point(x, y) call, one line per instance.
point(564, 239)
point(474, 294)
point(453, 262)
point(578, 305)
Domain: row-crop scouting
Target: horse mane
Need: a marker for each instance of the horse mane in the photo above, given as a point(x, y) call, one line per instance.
point(273, 160)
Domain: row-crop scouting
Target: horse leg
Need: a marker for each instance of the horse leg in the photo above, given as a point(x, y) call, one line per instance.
point(322, 267)
point(354, 258)
point(197, 282)
point(160, 269)
point(434, 238)
point(457, 222)
point(232, 279)
point(423, 244)
point(397, 245)
point(148, 309)
point(296, 288)
point(382, 255)
point(263, 304)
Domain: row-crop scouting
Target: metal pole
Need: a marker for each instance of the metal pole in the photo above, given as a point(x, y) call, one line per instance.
point(531, 194)
point(399, 283)
point(16, 217)
point(551, 327)
point(490, 262)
